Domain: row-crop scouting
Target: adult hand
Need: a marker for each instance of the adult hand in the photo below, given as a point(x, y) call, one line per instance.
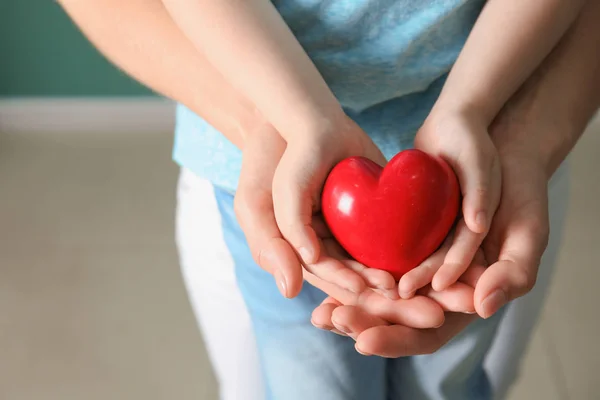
point(297, 185)
point(294, 194)
point(515, 244)
point(386, 336)
point(520, 230)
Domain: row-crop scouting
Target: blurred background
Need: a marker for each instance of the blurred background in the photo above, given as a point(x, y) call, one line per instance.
point(92, 304)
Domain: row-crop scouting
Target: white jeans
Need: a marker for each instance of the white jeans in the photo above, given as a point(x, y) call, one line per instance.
point(244, 362)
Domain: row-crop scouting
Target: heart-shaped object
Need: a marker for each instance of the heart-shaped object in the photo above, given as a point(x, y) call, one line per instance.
point(391, 218)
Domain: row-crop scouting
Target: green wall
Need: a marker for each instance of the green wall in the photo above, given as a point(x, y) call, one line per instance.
point(42, 53)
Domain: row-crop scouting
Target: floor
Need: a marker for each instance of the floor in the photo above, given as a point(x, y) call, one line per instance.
point(92, 305)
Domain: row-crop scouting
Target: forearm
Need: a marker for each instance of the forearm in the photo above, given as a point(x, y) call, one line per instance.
point(140, 37)
point(551, 110)
point(510, 39)
point(250, 44)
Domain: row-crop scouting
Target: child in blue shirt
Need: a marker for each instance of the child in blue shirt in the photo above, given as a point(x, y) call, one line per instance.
point(316, 82)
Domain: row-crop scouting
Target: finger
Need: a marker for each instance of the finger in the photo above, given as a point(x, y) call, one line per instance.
point(422, 275)
point(344, 296)
point(418, 312)
point(515, 273)
point(336, 272)
point(277, 256)
point(374, 278)
point(338, 332)
point(457, 298)
point(401, 341)
point(294, 202)
point(253, 206)
point(458, 258)
point(475, 270)
point(353, 321)
point(478, 171)
point(321, 316)
point(268, 248)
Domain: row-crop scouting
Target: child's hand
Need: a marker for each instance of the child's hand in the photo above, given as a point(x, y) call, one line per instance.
point(297, 186)
point(301, 173)
point(254, 207)
point(462, 141)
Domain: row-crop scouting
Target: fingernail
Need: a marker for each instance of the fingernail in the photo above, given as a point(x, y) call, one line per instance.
point(322, 327)
point(338, 332)
point(306, 254)
point(407, 295)
point(281, 283)
point(364, 353)
point(342, 328)
point(480, 219)
point(493, 303)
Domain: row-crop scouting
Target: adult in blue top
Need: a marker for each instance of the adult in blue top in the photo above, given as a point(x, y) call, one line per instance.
point(296, 86)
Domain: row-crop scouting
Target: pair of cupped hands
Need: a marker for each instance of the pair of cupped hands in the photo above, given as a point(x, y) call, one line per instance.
point(490, 258)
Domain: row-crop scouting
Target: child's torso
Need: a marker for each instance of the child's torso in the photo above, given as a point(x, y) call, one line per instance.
point(371, 51)
point(385, 60)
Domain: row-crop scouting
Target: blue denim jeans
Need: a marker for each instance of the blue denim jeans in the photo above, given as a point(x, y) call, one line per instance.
point(263, 346)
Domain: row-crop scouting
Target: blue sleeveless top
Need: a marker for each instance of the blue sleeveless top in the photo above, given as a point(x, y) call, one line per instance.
point(385, 61)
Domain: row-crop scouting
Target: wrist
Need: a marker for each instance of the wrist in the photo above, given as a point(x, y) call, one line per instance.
point(545, 143)
point(317, 125)
point(473, 107)
point(332, 132)
point(443, 118)
point(558, 143)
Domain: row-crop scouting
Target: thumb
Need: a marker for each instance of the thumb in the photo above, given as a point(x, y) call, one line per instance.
point(295, 197)
point(515, 272)
point(479, 176)
point(254, 210)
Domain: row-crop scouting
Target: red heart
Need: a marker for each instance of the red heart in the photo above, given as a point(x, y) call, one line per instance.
point(391, 218)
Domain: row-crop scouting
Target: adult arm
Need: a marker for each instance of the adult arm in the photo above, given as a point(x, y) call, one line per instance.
point(141, 38)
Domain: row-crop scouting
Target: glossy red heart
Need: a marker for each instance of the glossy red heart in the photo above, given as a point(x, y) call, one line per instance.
point(391, 218)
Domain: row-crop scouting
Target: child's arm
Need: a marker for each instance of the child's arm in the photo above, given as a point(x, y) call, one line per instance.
point(541, 122)
point(250, 44)
point(510, 39)
point(141, 38)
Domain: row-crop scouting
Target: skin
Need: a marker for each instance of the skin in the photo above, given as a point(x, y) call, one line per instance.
point(142, 39)
point(534, 132)
point(489, 70)
point(271, 69)
point(159, 52)
point(277, 85)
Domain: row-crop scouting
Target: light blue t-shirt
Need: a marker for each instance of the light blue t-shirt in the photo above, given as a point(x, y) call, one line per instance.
point(385, 61)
